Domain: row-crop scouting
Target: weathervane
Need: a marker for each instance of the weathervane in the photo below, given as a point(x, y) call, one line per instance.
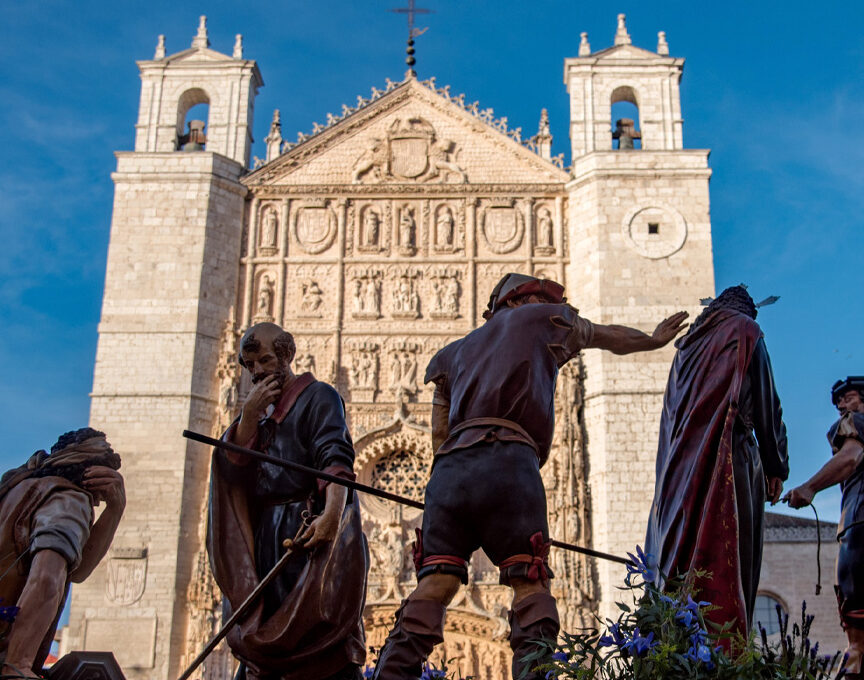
point(413, 32)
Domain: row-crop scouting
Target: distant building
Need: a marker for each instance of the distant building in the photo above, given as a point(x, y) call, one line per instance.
point(789, 576)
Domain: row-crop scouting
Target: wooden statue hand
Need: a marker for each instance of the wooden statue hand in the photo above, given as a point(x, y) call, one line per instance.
point(261, 395)
point(106, 484)
point(668, 328)
point(775, 488)
point(799, 497)
point(322, 529)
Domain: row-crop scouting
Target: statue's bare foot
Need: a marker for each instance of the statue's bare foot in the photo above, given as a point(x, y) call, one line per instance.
point(9, 672)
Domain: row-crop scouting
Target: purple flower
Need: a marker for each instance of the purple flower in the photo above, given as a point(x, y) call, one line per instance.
point(8, 614)
point(368, 671)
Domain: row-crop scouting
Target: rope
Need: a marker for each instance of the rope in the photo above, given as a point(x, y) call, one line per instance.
point(818, 552)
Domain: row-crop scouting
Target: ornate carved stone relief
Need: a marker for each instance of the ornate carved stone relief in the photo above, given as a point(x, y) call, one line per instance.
point(314, 225)
point(405, 298)
point(269, 230)
point(311, 298)
point(363, 371)
point(304, 361)
point(403, 371)
point(127, 575)
point(411, 152)
point(446, 290)
point(502, 226)
point(227, 379)
point(366, 293)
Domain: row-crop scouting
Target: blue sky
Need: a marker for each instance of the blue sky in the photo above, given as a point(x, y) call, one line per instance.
point(774, 89)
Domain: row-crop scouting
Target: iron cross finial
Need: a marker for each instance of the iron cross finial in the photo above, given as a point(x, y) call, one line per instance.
point(413, 32)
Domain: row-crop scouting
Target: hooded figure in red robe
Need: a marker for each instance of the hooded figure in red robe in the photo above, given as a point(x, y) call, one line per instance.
point(722, 449)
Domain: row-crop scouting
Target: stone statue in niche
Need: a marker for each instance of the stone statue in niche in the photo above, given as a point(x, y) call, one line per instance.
point(265, 298)
point(407, 231)
point(371, 230)
point(311, 299)
point(269, 229)
point(625, 133)
point(444, 229)
point(545, 231)
point(441, 161)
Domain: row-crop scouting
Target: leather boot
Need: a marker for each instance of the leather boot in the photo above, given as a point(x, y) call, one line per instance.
point(532, 618)
point(419, 627)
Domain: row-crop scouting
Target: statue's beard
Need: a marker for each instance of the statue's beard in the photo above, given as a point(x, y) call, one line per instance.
point(280, 375)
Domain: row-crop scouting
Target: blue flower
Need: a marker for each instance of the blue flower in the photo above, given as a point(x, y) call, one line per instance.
point(560, 656)
point(686, 617)
point(432, 673)
point(639, 644)
point(368, 671)
point(613, 640)
point(694, 606)
point(640, 564)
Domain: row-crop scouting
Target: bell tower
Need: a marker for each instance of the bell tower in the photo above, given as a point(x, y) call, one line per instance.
point(170, 286)
point(640, 249)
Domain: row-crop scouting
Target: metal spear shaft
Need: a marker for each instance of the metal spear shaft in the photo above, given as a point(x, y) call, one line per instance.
point(371, 490)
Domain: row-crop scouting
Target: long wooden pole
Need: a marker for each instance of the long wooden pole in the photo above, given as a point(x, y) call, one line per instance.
point(371, 490)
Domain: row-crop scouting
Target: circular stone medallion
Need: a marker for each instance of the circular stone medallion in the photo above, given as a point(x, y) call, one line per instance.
point(654, 231)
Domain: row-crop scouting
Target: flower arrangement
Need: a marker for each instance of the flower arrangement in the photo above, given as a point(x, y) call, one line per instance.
point(664, 636)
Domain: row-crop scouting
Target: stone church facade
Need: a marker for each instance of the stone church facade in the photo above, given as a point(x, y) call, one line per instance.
point(376, 239)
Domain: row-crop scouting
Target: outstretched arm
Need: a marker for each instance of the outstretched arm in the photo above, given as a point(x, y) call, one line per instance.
point(626, 340)
point(838, 469)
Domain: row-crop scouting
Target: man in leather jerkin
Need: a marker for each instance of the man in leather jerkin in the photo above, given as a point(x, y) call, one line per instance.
point(49, 538)
point(492, 425)
point(722, 448)
point(307, 624)
point(846, 468)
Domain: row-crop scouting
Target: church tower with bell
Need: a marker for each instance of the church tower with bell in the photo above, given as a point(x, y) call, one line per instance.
point(640, 250)
point(376, 239)
point(169, 290)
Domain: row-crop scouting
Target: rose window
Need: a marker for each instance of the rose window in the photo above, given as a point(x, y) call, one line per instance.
point(401, 472)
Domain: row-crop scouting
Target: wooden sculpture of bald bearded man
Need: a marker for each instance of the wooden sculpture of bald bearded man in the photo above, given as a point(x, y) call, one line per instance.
point(307, 624)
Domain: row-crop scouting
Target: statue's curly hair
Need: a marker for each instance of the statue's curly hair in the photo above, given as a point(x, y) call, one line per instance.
point(75, 437)
point(734, 298)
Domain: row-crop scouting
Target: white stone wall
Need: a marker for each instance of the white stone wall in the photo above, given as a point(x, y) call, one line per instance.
point(619, 273)
point(170, 285)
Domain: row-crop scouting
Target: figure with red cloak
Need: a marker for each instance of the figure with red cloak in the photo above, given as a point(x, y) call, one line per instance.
point(307, 625)
point(721, 454)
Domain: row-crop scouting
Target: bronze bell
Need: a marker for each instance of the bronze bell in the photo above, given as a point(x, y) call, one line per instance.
point(195, 139)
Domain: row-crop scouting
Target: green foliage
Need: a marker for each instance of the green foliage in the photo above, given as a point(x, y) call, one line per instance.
point(664, 636)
